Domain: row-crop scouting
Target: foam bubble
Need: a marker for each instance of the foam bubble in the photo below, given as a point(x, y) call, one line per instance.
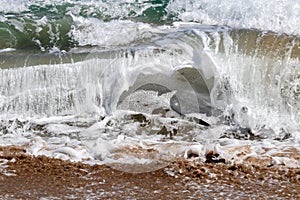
point(278, 16)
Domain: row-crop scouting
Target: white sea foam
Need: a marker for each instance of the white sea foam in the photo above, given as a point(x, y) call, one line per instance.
point(7, 50)
point(117, 140)
point(60, 106)
point(278, 16)
point(92, 31)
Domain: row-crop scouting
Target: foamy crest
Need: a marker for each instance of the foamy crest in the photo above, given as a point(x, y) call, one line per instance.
point(92, 31)
point(278, 16)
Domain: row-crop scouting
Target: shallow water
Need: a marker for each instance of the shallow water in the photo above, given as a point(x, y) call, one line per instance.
point(139, 81)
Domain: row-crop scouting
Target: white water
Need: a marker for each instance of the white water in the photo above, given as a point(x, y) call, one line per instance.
point(45, 93)
point(60, 105)
point(278, 16)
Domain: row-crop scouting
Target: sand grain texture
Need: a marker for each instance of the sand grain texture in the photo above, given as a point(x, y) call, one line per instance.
point(27, 177)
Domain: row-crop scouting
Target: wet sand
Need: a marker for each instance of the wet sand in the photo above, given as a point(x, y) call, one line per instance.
point(27, 177)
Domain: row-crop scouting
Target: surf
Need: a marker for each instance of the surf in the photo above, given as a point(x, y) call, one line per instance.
point(88, 73)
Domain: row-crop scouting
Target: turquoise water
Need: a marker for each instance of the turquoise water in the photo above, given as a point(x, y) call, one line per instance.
point(42, 25)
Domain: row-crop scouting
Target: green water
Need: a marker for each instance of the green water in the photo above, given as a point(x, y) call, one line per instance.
point(25, 31)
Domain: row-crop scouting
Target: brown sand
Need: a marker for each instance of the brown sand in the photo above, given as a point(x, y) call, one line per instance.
point(27, 177)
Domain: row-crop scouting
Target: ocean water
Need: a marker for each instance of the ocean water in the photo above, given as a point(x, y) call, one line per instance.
point(149, 81)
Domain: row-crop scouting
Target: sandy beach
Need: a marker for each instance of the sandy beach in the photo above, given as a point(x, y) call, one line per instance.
point(26, 177)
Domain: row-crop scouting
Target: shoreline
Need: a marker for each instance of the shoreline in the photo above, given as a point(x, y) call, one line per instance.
point(23, 176)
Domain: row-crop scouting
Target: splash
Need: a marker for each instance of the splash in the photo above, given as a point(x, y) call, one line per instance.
point(278, 16)
point(112, 81)
point(44, 25)
point(100, 81)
